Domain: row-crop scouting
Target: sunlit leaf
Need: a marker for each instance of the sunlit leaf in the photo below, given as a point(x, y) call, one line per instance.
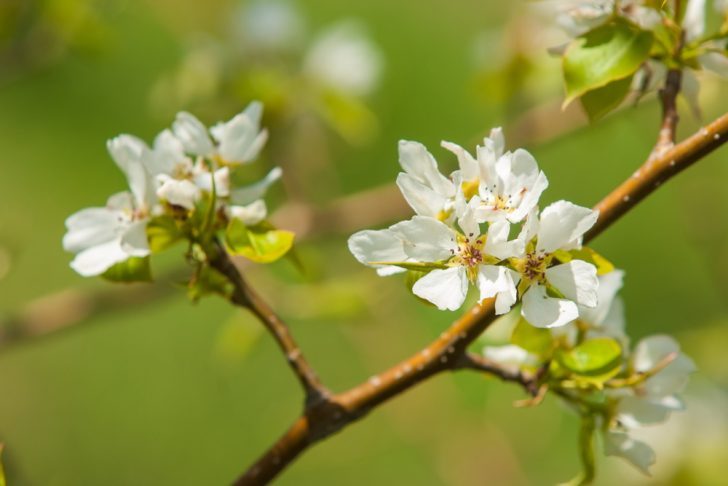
point(587, 254)
point(261, 243)
point(594, 357)
point(608, 53)
point(598, 102)
point(135, 269)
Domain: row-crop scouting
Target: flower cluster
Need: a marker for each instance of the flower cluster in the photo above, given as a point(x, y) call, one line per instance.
point(180, 187)
point(449, 248)
point(588, 363)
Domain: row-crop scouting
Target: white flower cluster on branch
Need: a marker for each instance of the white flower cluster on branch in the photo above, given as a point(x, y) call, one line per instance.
point(185, 168)
point(462, 235)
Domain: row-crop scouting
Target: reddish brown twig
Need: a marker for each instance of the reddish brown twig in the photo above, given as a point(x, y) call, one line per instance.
point(445, 353)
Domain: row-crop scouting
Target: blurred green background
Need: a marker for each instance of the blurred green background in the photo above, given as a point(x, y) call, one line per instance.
point(174, 393)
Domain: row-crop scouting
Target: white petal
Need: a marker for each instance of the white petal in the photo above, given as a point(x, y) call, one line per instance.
point(543, 311)
point(426, 239)
point(637, 452)
point(240, 138)
point(613, 324)
point(419, 163)
point(97, 259)
point(715, 62)
point(444, 288)
point(193, 134)
point(90, 227)
point(246, 195)
point(530, 198)
point(653, 349)
point(577, 280)
point(635, 411)
point(510, 356)
point(377, 246)
point(132, 156)
point(467, 222)
point(134, 240)
point(182, 193)
point(203, 180)
point(497, 244)
point(609, 285)
point(168, 156)
point(505, 300)
point(563, 223)
point(251, 214)
point(493, 280)
point(469, 168)
point(423, 199)
point(694, 19)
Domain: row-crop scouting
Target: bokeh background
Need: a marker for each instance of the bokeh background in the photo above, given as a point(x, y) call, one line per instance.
point(142, 387)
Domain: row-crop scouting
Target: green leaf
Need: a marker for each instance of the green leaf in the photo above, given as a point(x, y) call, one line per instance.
point(209, 281)
point(595, 357)
point(260, 243)
point(598, 102)
point(533, 339)
point(610, 52)
point(134, 269)
point(603, 265)
point(585, 253)
point(163, 232)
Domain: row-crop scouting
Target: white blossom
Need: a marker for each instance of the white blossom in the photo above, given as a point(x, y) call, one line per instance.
point(343, 58)
point(238, 140)
point(509, 184)
point(425, 189)
point(460, 258)
point(183, 166)
point(559, 227)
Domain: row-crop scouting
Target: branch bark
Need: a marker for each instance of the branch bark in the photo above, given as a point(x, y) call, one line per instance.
point(446, 352)
point(247, 298)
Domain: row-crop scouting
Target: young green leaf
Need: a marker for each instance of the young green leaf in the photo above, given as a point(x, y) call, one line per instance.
point(598, 102)
point(135, 269)
point(261, 243)
point(608, 53)
point(595, 357)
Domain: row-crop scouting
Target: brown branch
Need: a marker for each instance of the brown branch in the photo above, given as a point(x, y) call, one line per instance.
point(479, 363)
point(447, 351)
point(244, 296)
point(670, 117)
point(657, 171)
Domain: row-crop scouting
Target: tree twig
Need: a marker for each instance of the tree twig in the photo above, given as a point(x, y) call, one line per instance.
point(479, 363)
point(244, 296)
point(445, 353)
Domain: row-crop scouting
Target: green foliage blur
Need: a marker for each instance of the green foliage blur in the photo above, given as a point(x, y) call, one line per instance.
point(173, 393)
